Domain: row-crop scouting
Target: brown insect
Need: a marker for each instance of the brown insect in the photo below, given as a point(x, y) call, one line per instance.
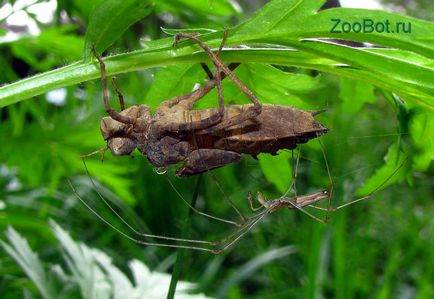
point(216, 247)
point(209, 138)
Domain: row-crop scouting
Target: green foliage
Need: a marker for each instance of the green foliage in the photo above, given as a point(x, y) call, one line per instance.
point(277, 169)
point(379, 106)
point(404, 76)
point(109, 20)
point(90, 273)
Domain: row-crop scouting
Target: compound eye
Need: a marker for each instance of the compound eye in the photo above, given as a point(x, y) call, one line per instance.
point(121, 146)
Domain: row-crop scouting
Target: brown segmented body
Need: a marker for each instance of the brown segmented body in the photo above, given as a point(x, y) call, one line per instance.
point(277, 127)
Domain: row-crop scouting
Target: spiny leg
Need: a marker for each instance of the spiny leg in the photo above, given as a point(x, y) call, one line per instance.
point(218, 78)
point(294, 174)
point(329, 191)
point(245, 115)
point(227, 198)
point(332, 184)
point(205, 66)
point(120, 95)
point(115, 115)
point(186, 102)
point(191, 98)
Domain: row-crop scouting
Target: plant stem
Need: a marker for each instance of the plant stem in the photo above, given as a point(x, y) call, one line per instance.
point(180, 252)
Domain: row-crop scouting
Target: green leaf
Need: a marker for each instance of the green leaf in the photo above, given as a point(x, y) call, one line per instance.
point(109, 21)
point(298, 26)
point(29, 261)
point(172, 81)
point(299, 19)
point(392, 171)
point(421, 129)
point(277, 14)
point(277, 169)
point(249, 268)
point(355, 94)
point(211, 12)
point(278, 87)
point(270, 85)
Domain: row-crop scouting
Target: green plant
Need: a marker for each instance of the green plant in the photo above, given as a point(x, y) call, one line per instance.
point(90, 272)
point(380, 104)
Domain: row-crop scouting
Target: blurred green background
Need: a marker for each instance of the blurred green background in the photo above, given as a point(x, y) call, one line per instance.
point(379, 248)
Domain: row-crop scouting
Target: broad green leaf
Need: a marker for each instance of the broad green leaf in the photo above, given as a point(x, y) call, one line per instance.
point(201, 10)
point(276, 14)
point(403, 74)
point(277, 169)
point(277, 87)
point(355, 94)
point(270, 85)
point(392, 171)
point(383, 67)
point(76, 73)
point(173, 81)
point(109, 20)
point(421, 129)
point(299, 19)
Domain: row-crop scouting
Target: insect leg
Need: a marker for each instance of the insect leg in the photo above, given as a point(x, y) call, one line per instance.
point(245, 115)
point(207, 70)
point(120, 95)
point(201, 245)
point(189, 99)
point(115, 115)
point(214, 247)
point(186, 102)
point(271, 206)
point(205, 66)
